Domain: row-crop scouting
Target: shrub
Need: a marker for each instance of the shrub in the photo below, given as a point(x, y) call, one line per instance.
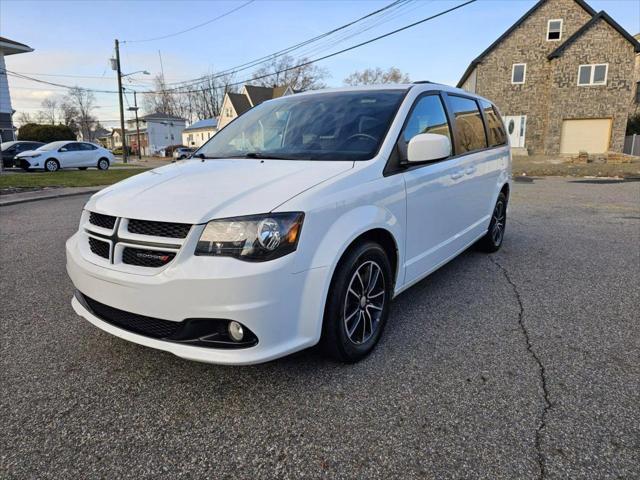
point(45, 133)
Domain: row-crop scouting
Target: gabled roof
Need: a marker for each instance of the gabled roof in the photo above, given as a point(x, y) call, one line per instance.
point(520, 21)
point(161, 116)
point(258, 94)
point(240, 102)
point(596, 18)
point(207, 123)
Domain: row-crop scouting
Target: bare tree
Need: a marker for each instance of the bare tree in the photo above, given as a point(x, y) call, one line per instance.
point(287, 71)
point(371, 76)
point(77, 106)
point(22, 118)
point(49, 111)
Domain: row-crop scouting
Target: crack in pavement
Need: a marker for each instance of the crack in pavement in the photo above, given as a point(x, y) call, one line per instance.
point(541, 369)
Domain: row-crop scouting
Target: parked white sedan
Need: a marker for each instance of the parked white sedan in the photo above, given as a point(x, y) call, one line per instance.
point(66, 154)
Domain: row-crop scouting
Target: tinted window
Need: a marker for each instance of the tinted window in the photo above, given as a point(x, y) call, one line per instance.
point(331, 126)
point(72, 147)
point(469, 127)
point(427, 117)
point(495, 128)
point(87, 146)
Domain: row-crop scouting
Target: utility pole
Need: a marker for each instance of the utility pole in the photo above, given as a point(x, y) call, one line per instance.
point(123, 131)
point(135, 106)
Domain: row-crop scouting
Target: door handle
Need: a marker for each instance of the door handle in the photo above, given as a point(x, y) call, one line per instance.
point(470, 170)
point(457, 175)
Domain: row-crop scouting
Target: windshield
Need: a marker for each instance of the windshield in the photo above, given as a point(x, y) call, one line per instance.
point(52, 146)
point(322, 126)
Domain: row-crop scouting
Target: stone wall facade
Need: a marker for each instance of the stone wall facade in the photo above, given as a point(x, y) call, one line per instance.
point(550, 92)
point(600, 44)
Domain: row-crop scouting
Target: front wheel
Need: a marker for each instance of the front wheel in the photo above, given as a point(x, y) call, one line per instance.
point(492, 241)
point(103, 164)
point(357, 304)
point(51, 165)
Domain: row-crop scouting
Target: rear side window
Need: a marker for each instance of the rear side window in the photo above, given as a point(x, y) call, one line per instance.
point(495, 127)
point(428, 116)
point(469, 129)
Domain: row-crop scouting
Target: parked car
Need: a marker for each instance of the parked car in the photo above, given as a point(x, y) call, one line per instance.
point(66, 154)
point(11, 149)
point(182, 152)
point(301, 222)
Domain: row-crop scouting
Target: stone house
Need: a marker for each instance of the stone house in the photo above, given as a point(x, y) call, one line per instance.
point(563, 77)
point(235, 104)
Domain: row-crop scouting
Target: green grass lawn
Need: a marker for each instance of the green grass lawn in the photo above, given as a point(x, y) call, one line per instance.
point(66, 178)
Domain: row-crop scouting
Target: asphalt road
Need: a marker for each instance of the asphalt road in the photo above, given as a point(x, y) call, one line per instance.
point(519, 365)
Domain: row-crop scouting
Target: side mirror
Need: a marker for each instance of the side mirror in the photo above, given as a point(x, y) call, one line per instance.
point(63, 149)
point(427, 147)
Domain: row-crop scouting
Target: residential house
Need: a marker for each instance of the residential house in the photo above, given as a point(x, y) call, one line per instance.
point(93, 135)
point(112, 139)
point(563, 77)
point(235, 104)
point(157, 131)
point(7, 47)
point(196, 134)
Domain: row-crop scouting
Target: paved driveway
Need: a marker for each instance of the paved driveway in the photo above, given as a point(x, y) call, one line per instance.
point(518, 365)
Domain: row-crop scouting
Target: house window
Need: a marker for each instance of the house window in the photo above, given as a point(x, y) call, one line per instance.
point(554, 30)
point(518, 73)
point(593, 74)
point(638, 92)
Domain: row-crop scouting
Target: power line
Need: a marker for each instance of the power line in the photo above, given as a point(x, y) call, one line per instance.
point(339, 52)
point(191, 28)
point(285, 51)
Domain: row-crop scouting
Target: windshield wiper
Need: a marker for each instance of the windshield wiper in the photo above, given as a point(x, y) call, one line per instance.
point(262, 155)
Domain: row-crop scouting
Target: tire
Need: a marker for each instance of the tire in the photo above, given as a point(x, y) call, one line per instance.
point(492, 241)
point(82, 168)
point(103, 164)
point(353, 322)
point(51, 165)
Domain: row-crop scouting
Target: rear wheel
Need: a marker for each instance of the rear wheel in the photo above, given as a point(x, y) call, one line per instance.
point(51, 165)
point(492, 241)
point(357, 304)
point(103, 164)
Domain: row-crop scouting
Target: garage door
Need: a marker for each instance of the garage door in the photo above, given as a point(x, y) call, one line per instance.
point(590, 135)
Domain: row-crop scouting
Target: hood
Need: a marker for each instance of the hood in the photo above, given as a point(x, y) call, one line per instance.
point(194, 191)
point(28, 153)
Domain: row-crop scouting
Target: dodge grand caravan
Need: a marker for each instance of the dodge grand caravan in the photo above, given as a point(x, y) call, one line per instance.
point(296, 224)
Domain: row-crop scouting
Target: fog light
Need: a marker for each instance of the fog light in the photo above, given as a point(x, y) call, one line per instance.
point(236, 331)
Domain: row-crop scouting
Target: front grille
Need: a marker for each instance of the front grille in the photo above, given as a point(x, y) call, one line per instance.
point(151, 327)
point(100, 220)
point(159, 229)
point(99, 247)
point(146, 258)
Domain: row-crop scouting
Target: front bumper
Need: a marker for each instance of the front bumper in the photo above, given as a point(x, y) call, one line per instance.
point(283, 309)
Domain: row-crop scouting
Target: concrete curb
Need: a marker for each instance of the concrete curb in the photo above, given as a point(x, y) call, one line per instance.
point(48, 196)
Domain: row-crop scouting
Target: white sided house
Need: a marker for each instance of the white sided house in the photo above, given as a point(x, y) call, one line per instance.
point(197, 134)
point(157, 132)
point(7, 47)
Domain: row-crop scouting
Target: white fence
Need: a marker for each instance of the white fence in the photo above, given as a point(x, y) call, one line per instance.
point(632, 144)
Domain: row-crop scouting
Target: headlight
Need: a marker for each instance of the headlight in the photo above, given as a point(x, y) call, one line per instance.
point(253, 238)
point(36, 155)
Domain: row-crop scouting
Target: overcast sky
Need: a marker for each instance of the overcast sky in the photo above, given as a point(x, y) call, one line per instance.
point(75, 38)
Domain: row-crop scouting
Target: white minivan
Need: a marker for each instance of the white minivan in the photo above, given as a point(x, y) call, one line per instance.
point(295, 225)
